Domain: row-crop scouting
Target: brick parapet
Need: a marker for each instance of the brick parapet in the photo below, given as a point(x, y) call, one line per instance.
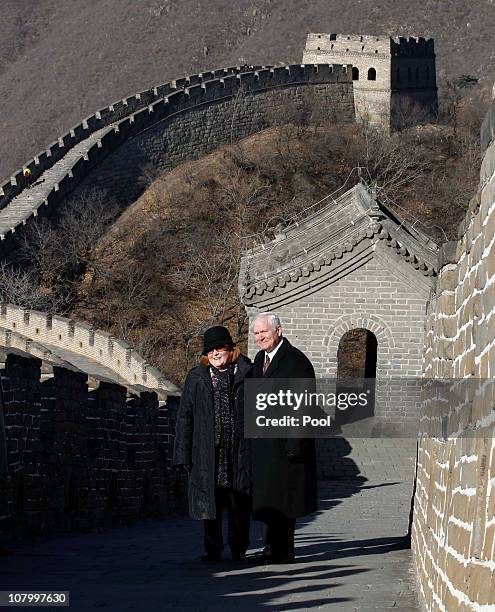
point(488, 129)
point(109, 128)
point(32, 330)
point(80, 458)
point(454, 516)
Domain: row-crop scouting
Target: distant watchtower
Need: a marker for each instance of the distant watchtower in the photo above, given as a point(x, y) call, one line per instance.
point(394, 78)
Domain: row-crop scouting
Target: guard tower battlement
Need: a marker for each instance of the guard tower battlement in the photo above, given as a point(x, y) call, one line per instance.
point(412, 46)
point(394, 78)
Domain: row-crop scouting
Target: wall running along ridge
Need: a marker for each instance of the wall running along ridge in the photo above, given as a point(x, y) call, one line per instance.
point(82, 339)
point(79, 458)
point(453, 533)
point(182, 120)
point(108, 115)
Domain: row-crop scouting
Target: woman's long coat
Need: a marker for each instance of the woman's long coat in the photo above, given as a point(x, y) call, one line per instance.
point(195, 438)
point(284, 470)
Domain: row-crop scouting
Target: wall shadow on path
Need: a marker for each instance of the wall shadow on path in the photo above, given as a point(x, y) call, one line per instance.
point(158, 562)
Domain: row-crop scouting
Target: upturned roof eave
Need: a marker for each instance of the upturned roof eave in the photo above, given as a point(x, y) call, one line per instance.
point(375, 222)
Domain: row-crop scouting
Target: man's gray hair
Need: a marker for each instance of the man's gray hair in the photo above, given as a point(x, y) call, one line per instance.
point(273, 319)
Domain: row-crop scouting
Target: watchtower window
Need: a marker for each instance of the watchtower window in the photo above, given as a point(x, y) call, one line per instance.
point(333, 36)
point(371, 74)
point(361, 38)
point(331, 47)
point(355, 73)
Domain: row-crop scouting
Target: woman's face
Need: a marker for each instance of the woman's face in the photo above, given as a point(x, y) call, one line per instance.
point(219, 356)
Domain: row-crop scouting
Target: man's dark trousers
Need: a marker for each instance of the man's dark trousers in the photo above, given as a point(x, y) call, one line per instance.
point(280, 535)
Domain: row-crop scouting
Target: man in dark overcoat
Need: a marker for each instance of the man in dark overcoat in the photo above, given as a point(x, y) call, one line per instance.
point(284, 470)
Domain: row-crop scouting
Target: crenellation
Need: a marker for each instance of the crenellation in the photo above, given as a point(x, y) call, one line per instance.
point(78, 453)
point(413, 46)
point(393, 78)
point(82, 339)
point(460, 338)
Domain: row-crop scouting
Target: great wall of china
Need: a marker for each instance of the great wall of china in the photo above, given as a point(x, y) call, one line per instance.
point(120, 423)
point(454, 509)
point(164, 126)
point(50, 336)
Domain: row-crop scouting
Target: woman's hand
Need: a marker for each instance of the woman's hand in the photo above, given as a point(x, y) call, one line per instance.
point(185, 467)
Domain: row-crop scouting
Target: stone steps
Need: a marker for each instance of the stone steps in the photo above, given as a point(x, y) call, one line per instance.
point(29, 200)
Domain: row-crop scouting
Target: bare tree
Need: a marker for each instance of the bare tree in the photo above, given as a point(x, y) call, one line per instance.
point(62, 250)
point(455, 92)
point(22, 287)
point(390, 163)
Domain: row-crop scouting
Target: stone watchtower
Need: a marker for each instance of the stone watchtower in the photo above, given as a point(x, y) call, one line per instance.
point(394, 78)
point(351, 265)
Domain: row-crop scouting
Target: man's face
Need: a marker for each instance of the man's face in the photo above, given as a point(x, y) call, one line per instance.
point(266, 337)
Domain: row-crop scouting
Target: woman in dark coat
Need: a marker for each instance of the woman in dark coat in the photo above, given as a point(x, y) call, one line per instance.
point(210, 443)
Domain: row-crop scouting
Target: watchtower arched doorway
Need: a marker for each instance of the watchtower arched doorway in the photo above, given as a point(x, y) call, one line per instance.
point(356, 372)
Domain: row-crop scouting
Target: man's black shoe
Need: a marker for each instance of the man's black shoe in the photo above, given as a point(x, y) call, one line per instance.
point(268, 558)
point(209, 558)
point(259, 558)
point(238, 556)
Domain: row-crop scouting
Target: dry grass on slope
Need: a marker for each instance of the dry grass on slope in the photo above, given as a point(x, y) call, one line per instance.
point(168, 267)
point(61, 60)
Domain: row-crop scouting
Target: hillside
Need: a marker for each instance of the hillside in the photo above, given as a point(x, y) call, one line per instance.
point(167, 268)
point(60, 60)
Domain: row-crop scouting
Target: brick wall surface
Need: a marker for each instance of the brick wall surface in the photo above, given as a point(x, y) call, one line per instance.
point(404, 73)
point(454, 518)
point(80, 458)
point(191, 134)
point(383, 295)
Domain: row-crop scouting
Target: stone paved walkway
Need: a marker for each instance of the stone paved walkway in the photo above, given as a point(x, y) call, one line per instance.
point(350, 557)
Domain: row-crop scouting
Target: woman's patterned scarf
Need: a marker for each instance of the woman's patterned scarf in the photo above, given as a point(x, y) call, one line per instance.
point(225, 430)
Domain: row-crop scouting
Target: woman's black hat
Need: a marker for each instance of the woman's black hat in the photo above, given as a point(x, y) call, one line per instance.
point(216, 336)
